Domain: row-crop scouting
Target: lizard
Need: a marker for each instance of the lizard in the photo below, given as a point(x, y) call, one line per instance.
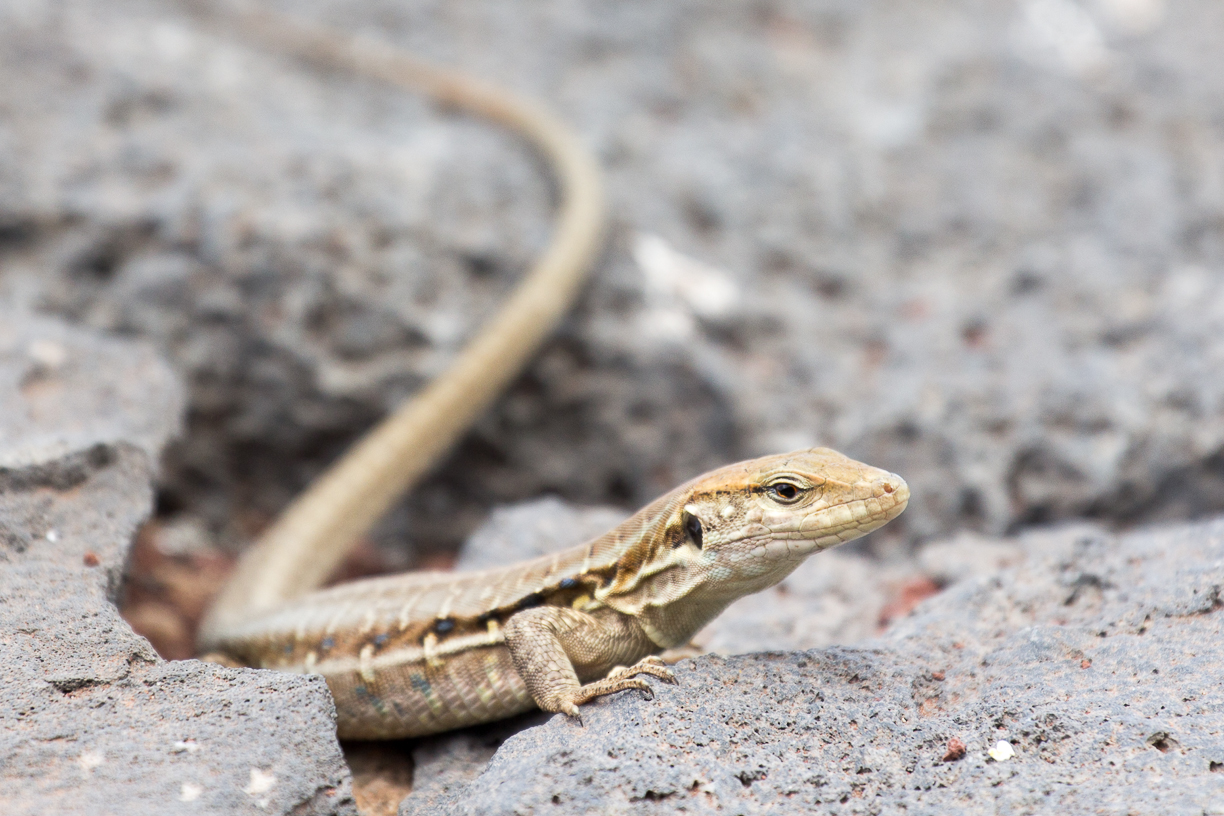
point(420, 653)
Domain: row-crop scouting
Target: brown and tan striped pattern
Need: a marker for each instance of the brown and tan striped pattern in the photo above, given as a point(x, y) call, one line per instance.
point(421, 653)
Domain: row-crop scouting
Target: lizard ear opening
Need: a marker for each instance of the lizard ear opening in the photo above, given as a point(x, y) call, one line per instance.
point(692, 526)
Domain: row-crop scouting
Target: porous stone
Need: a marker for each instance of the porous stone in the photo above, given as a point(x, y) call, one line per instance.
point(91, 720)
point(531, 529)
point(64, 390)
point(1084, 680)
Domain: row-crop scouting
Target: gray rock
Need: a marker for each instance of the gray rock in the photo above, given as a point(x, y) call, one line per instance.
point(445, 764)
point(950, 238)
point(1096, 661)
point(532, 529)
point(91, 720)
point(64, 390)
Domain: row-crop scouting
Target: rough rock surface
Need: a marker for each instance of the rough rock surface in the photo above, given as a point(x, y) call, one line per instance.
point(1096, 662)
point(91, 720)
point(532, 529)
point(976, 243)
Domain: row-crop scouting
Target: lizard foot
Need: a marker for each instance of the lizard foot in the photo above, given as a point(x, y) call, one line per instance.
point(568, 704)
point(651, 665)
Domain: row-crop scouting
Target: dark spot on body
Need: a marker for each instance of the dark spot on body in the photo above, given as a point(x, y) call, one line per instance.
point(380, 640)
point(327, 643)
point(568, 583)
point(443, 626)
point(529, 601)
point(288, 648)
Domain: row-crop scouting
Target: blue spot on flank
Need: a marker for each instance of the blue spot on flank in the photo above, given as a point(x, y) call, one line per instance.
point(568, 583)
point(421, 684)
point(288, 648)
point(327, 643)
point(443, 626)
point(380, 640)
point(363, 693)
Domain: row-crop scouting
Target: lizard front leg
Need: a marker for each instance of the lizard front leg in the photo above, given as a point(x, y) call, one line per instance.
point(552, 645)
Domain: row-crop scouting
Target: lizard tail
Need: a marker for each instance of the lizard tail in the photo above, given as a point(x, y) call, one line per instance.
point(314, 534)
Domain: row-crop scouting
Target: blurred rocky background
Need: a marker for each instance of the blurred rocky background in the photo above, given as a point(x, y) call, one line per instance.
point(976, 243)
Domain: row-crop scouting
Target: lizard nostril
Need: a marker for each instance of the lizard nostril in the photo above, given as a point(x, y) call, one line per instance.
point(888, 488)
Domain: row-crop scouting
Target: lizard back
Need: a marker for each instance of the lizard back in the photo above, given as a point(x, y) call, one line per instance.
point(404, 610)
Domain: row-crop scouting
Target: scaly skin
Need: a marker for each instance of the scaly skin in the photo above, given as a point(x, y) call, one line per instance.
point(426, 652)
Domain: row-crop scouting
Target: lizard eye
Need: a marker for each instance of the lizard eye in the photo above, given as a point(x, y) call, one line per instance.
point(784, 492)
point(692, 526)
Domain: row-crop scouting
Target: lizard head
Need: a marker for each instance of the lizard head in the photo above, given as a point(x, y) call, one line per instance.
point(744, 527)
point(764, 517)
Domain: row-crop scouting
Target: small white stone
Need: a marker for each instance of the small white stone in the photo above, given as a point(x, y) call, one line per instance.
point(90, 760)
point(261, 782)
point(190, 792)
point(672, 277)
point(48, 354)
point(52, 536)
point(1002, 751)
point(187, 746)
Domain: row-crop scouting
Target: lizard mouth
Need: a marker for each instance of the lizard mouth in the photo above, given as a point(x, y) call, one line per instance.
point(845, 521)
point(861, 515)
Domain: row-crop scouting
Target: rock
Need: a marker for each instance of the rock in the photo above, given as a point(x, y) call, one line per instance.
point(1083, 680)
point(91, 720)
point(967, 555)
point(446, 763)
point(53, 401)
point(943, 237)
point(523, 531)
